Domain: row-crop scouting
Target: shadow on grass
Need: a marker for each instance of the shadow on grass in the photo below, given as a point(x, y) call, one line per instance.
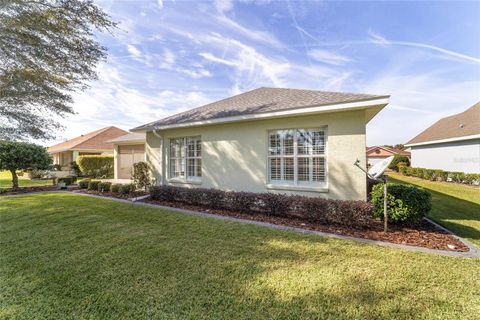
point(71, 256)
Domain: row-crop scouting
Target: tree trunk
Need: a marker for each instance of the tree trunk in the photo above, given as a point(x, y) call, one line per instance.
point(14, 179)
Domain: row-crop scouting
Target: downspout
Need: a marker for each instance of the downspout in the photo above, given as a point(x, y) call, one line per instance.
point(162, 164)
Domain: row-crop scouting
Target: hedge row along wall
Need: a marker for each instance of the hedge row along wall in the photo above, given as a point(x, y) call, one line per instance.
point(325, 211)
point(440, 175)
point(96, 166)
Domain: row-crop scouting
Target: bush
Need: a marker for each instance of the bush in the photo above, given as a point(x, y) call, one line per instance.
point(406, 204)
point(115, 188)
point(397, 159)
point(68, 180)
point(83, 184)
point(318, 210)
point(96, 166)
point(141, 175)
point(126, 189)
point(76, 168)
point(93, 185)
point(104, 186)
point(440, 175)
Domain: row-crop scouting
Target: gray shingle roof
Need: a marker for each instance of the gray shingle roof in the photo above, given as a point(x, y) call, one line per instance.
point(466, 123)
point(261, 100)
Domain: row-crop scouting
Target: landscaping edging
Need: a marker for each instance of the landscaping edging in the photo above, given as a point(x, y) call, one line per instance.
point(472, 253)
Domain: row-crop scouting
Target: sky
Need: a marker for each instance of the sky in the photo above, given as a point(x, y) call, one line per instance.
point(170, 56)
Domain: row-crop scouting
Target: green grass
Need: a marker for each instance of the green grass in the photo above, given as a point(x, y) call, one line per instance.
point(455, 206)
point(6, 181)
point(67, 256)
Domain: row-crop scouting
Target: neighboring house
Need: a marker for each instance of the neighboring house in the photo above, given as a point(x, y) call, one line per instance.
point(93, 143)
point(378, 153)
point(267, 139)
point(128, 150)
point(451, 144)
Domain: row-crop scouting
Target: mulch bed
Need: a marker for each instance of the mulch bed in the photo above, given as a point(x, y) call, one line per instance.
point(424, 234)
point(22, 190)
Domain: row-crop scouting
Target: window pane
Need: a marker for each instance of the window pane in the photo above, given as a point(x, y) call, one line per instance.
point(191, 167)
point(318, 141)
point(288, 168)
point(190, 147)
point(199, 147)
point(177, 167)
point(319, 169)
point(274, 143)
point(275, 169)
point(303, 173)
point(304, 142)
point(176, 148)
point(198, 167)
point(288, 137)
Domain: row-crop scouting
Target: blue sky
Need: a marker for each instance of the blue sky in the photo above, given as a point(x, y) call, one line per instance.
point(169, 56)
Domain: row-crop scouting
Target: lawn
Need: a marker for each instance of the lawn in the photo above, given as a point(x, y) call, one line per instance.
point(6, 181)
point(454, 206)
point(69, 256)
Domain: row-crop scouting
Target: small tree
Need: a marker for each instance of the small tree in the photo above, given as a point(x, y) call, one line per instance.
point(22, 156)
point(396, 160)
point(141, 175)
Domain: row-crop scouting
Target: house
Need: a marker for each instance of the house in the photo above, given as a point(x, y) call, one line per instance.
point(267, 140)
point(452, 143)
point(378, 153)
point(128, 150)
point(93, 143)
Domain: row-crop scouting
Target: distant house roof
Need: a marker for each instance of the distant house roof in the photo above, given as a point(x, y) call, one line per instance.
point(257, 101)
point(384, 151)
point(132, 137)
point(96, 140)
point(460, 125)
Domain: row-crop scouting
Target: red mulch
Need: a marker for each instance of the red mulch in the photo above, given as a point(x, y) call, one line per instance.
point(424, 234)
point(22, 190)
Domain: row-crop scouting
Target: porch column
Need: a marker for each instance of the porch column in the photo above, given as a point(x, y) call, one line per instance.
point(116, 162)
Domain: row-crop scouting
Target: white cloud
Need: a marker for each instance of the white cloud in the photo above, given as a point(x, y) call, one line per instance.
point(223, 5)
point(134, 51)
point(160, 4)
point(376, 38)
point(168, 59)
point(328, 57)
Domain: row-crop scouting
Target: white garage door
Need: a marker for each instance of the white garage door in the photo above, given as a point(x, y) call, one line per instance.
point(127, 156)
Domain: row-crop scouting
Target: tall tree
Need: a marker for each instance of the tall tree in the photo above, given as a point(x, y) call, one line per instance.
point(47, 52)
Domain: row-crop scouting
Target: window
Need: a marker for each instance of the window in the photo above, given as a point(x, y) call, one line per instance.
point(297, 157)
point(186, 158)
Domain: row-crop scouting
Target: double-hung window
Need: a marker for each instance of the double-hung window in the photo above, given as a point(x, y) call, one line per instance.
point(185, 160)
point(297, 157)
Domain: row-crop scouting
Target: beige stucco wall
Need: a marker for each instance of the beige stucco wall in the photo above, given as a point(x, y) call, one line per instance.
point(234, 156)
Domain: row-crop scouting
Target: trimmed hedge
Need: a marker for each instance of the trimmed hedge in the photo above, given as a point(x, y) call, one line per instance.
point(440, 175)
point(406, 204)
point(104, 186)
point(318, 210)
point(115, 188)
point(93, 185)
point(69, 180)
point(126, 189)
point(83, 184)
point(96, 166)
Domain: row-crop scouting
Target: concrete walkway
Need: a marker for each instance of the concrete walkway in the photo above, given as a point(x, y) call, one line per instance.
point(473, 253)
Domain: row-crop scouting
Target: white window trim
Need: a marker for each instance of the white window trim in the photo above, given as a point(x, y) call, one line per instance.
point(185, 178)
point(296, 185)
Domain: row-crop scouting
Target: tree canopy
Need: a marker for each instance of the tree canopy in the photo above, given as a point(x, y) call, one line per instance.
point(47, 52)
point(23, 156)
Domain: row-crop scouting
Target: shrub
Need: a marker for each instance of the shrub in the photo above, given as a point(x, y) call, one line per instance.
point(115, 188)
point(93, 185)
point(76, 168)
point(318, 210)
point(96, 166)
point(406, 204)
point(440, 175)
point(126, 189)
point(429, 174)
point(68, 180)
point(141, 175)
point(404, 170)
point(396, 160)
point(104, 186)
point(83, 184)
